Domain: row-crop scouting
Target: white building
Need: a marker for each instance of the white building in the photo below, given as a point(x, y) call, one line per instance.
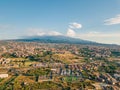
point(3, 75)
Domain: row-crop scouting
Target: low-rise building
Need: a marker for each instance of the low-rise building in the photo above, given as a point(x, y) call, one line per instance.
point(3, 75)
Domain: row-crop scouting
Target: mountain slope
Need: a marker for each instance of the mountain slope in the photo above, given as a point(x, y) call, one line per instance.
point(55, 39)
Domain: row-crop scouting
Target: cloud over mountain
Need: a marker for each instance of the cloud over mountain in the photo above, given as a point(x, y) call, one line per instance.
point(72, 27)
point(42, 32)
point(71, 33)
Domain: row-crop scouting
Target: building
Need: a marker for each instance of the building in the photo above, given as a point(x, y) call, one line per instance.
point(3, 75)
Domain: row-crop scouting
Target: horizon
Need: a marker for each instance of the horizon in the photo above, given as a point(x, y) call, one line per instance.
point(97, 21)
point(38, 37)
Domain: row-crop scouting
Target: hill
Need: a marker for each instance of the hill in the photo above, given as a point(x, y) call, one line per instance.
point(55, 39)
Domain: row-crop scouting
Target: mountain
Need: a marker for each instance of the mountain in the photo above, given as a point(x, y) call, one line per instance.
point(62, 39)
point(55, 39)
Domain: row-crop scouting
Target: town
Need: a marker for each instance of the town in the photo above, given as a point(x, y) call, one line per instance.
point(51, 66)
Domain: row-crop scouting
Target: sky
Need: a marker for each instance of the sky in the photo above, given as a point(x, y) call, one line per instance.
point(94, 20)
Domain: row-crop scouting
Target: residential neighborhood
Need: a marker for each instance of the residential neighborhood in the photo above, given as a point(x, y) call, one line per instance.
point(95, 66)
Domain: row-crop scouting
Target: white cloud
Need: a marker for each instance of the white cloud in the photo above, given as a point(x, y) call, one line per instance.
point(55, 33)
point(92, 36)
point(51, 33)
point(111, 21)
point(71, 33)
point(94, 32)
point(75, 25)
point(41, 32)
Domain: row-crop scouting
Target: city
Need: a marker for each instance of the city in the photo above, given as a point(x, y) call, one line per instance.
point(28, 65)
point(59, 44)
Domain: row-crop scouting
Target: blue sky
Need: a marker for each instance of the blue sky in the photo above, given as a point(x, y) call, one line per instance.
point(95, 20)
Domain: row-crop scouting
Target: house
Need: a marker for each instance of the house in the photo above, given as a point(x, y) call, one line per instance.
point(3, 75)
point(117, 76)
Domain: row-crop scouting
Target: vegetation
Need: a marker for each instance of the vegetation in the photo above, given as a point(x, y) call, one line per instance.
point(38, 72)
point(43, 66)
point(115, 53)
